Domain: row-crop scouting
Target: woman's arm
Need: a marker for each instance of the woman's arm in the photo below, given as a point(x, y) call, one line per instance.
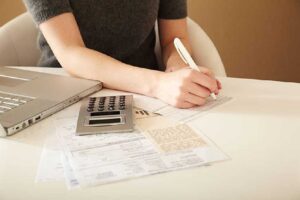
point(181, 88)
point(63, 35)
point(168, 30)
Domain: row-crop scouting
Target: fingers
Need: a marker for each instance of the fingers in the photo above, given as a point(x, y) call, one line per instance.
point(187, 88)
point(193, 99)
point(205, 80)
point(219, 85)
point(210, 73)
point(206, 71)
point(198, 90)
point(188, 100)
point(185, 105)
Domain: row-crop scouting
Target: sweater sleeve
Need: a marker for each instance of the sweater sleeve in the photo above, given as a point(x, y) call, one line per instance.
point(42, 10)
point(172, 9)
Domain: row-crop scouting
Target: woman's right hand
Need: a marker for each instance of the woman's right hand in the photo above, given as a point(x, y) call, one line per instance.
point(186, 88)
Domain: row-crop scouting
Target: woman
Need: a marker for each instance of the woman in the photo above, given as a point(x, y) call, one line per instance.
point(113, 42)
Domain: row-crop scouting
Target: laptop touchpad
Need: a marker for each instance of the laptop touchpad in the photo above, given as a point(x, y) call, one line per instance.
point(11, 81)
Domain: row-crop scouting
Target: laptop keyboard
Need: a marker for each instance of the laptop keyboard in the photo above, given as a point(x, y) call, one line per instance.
point(10, 101)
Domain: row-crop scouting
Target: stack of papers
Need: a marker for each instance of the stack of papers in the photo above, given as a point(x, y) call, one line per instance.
point(157, 145)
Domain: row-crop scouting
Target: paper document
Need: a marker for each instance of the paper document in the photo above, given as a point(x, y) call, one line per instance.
point(142, 113)
point(70, 178)
point(175, 114)
point(54, 165)
point(148, 103)
point(176, 138)
point(50, 166)
point(105, 158)
point(158, 144)
point(185, 115)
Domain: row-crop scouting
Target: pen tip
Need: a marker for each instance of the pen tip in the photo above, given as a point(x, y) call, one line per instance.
point(213, 95)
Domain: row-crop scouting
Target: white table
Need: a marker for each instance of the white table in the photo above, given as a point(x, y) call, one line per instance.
point(259, 130)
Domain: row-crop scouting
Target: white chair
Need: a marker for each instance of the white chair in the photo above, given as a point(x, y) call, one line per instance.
point(18, 45)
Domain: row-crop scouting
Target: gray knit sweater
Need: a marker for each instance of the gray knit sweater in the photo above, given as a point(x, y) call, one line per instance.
point(121, 29)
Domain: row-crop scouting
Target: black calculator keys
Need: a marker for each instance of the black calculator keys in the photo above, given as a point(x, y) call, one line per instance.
point(110, 103)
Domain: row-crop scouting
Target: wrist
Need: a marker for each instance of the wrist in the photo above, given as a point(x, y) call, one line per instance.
point(175, 62)
point(154, 83)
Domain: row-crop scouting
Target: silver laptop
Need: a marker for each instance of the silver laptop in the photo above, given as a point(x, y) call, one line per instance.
point(26, 97)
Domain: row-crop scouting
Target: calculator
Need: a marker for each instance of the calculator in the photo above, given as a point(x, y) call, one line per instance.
point(106, 114)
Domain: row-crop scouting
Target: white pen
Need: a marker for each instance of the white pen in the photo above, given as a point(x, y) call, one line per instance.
point(187, 58)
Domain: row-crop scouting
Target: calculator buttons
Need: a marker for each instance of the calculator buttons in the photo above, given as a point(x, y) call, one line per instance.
point(91, 105)
point(90, 109)
point(111, 108)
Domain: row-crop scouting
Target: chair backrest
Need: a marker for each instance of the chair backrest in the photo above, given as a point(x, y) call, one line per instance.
point(18, 45)
point(18, 42)
point(204, 51)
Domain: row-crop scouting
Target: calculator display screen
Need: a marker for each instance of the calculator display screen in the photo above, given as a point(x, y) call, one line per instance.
point(94, 114)
point(105, 121)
